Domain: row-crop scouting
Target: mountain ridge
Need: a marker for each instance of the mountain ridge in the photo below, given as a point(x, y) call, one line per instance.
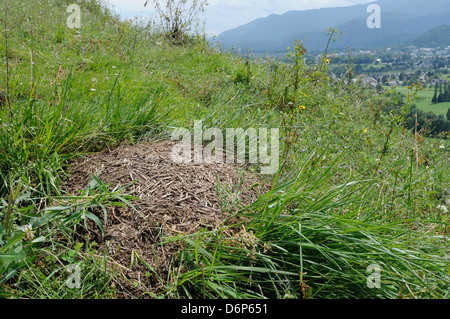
point(401, 21)
point(436, 37)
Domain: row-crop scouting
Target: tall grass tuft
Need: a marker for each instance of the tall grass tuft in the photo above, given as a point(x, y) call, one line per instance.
point(313, 240)
point(42, 136)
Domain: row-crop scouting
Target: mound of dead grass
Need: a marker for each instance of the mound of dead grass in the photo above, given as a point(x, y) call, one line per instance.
point(171, 200)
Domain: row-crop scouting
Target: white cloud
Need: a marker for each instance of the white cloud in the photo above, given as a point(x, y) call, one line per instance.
point(222, 15)
point(130, 8)
point(128, 4)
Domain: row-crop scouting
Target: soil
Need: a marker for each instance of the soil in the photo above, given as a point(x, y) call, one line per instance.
point(171, 200)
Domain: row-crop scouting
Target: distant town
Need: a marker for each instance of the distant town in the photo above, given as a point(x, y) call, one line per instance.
point(395, 67)
point(400, 68)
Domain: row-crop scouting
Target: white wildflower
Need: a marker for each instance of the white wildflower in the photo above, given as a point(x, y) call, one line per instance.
point(443, 208)
point(28, 230)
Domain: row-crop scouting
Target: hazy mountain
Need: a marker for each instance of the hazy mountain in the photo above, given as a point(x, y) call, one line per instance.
point(437, 37)
point(401, 21)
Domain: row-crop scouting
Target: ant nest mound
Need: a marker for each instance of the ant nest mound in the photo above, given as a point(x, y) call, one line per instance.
point(170, 200)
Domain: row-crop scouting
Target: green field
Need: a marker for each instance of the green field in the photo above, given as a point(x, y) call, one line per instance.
point(424, 103)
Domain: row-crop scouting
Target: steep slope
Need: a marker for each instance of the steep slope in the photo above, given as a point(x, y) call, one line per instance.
point(80, 186)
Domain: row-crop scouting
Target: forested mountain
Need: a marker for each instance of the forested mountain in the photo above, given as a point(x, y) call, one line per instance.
point(437, 37)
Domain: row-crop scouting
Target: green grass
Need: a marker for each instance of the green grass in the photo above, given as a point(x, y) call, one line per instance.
point(349, 192)
point(329, 235)
point(424, 103)
point(439, 142)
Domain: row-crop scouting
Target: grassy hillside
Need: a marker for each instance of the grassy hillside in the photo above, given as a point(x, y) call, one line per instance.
point(354, 188)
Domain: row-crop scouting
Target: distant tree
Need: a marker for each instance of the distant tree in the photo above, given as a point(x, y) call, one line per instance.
point(358, 69)
point(440, 97)
point(446, 93)
point(434, 99)
point(439, 124)
point(379, 88)
point(448, 115)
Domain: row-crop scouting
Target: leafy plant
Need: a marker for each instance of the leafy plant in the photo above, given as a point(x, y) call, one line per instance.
point(80, 208)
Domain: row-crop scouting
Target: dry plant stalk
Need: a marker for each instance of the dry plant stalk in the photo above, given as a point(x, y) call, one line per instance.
point(177, 17)
point(8, 101)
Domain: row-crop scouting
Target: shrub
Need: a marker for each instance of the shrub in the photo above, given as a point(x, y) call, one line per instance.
point(177, 17)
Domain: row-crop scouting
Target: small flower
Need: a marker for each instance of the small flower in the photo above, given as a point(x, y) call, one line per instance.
point(442, 146)
point(302, 107)
point(366, 130)
point(93, 90)
point(328, 61)
point(28, 230)
point(443, 208)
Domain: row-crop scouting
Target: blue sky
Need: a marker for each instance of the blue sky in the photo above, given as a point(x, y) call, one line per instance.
point(222, 15)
